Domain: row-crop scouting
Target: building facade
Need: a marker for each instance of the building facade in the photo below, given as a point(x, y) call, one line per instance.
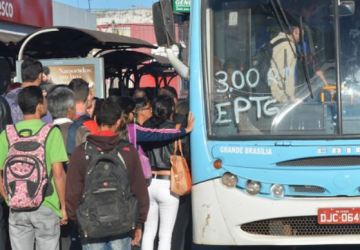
point(21, 17)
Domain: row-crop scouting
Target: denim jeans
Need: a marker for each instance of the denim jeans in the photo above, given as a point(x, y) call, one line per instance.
point(3, 228)
point(75, 242)
point(182, 233)
point(42, 225)
point(122, 244)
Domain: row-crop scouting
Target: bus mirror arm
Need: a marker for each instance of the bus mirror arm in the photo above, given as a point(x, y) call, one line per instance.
point(181, 68)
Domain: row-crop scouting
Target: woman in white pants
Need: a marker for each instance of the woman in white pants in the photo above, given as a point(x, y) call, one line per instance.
point(163, 204)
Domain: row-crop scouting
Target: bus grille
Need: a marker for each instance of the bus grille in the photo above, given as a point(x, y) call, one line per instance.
point(307, 189)
point(298, 226)
point(334, 161)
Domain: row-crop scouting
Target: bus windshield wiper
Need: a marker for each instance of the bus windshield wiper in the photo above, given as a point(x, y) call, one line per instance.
point(282, 19)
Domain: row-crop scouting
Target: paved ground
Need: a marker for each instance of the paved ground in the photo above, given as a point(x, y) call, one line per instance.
point(338, 247)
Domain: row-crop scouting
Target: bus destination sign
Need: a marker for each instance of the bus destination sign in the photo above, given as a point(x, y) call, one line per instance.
point(182, 6)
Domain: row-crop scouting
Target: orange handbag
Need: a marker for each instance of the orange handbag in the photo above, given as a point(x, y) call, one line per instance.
point(180, 183)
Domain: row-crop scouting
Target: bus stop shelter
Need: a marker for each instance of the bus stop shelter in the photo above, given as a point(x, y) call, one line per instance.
point(69, 42)
point(128, 69)
point(122, 58)
point(8, 43)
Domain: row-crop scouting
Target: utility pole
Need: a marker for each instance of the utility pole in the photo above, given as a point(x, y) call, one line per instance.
point(89, 2)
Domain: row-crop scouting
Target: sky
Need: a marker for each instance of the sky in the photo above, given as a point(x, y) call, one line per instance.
point(109, 4)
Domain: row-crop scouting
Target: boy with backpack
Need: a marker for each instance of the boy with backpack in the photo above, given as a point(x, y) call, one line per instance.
point(33, 184)
point(83, 102)
point(106, 190)
point(61, 104)
point(31, 74)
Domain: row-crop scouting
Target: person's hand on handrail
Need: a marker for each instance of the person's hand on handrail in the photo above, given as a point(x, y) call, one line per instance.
point(190, 123)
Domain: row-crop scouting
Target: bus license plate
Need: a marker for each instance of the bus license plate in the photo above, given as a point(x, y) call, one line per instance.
point(338, 216)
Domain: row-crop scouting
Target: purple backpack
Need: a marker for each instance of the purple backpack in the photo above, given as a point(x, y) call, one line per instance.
point(25, 173)
point(145, 163)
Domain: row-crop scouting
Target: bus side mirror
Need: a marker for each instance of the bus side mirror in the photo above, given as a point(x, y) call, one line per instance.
point(347, 8)
point(163, 18)
point(164, 23)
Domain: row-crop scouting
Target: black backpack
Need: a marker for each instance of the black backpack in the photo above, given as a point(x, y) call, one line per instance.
point(262, 62)
point(108, 207)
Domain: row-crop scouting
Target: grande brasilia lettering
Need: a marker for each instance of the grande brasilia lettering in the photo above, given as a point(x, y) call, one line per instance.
point(6, 9)
point(245, 150)
point(240, 104)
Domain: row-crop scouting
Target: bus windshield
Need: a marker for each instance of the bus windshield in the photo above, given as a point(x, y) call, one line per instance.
point(273, 68)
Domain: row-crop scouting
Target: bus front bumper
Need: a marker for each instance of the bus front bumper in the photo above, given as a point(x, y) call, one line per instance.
point(230, 216)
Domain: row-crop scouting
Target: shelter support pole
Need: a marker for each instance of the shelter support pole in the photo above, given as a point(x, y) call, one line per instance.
point(23, 45)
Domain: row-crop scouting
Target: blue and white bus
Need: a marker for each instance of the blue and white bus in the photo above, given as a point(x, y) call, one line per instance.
point(267, 172)
point(271, 171)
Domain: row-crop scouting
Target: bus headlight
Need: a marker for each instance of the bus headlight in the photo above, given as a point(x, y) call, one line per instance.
point(253, 187)
point(229, 180)
point(277, 190)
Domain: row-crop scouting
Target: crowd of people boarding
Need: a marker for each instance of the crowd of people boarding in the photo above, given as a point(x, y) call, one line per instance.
point(81, 172)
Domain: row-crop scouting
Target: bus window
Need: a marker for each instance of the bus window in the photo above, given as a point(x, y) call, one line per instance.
point(350, 71)
point(295, 92)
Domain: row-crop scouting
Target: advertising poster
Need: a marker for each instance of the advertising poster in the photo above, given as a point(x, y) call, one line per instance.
point(62, 71)
point(63, 74)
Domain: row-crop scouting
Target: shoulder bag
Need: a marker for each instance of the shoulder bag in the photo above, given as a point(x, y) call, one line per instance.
point(180, 182)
